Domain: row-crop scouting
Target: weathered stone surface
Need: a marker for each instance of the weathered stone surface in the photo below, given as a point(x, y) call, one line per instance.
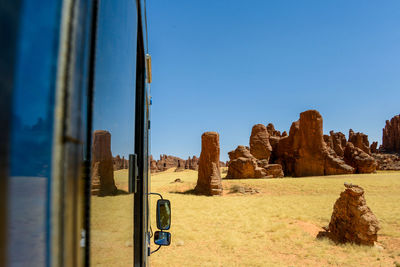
point(352, 220)
point(192, 163)
point(358, 159)
point(260, 147)
point(374, 147)
point(102, 165)
point(209, 177)
point(180, 166)
point(391, 135)
point(387, 161)
point(243, 165)
point(338, 142)
point(120, 163)
point(359, 140)
point(328, 140)
point(305, 153)
point(274, 170)
point(153, 165)
point(167, 162)
point(271, 130)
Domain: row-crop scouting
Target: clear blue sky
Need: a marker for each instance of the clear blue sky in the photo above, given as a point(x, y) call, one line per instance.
point(226, 65)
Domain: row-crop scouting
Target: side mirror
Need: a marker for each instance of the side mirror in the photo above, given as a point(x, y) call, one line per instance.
point(163, 214)
point(162, 238)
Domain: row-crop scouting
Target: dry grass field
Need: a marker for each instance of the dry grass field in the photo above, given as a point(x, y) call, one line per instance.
point(275, 227)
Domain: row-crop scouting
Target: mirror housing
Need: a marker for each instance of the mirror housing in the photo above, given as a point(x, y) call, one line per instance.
point(162, 238)
point(163, 214)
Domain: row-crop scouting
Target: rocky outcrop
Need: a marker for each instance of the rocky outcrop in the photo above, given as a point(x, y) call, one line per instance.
point(271, 130)
point(274, 138)
point(338, 142)
point(391, 135)
point(271, 170)
point(328, 140)
point(192, 163)
point(359, 140)
point(352, 220)
point(153, 165)
point(260, 147)
point(180, 166)
point(120, 163)
point(167, 162)
point(243, 165)
point(374, 147)
point(102, 165)
point(387, 162)
point(305, 153)
point(358, 159)
point(209, 177)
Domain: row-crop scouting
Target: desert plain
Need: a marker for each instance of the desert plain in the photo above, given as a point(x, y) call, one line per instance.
point(256, 222)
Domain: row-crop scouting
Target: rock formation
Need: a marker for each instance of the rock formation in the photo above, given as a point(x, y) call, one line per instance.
point(359, 140)
point(243, 165)
point(260, 147)
point(391, 135)
point(192, 163)
point(166, 162)
point(358, 159)
point(274, 138)
point(102, 165)
point(352, 220)
point(387, 161)
point(305, 153)
point(374, 147)
point(120, 163)
point(153, 165)
point(271, 130)
point(338, 142)
point(209, 177)
point(180, 166)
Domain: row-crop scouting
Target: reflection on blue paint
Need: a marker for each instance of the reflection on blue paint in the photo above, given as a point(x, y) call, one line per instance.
point(32, 132)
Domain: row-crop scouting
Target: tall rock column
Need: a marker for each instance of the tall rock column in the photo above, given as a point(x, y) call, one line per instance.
point(209, 176)
point(102, 165)
point(391, 135)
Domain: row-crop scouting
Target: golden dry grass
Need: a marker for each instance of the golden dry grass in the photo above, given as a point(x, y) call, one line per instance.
point(276, 227)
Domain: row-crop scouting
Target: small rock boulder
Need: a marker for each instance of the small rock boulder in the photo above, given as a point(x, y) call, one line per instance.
point(209, 177)
point(352, 220)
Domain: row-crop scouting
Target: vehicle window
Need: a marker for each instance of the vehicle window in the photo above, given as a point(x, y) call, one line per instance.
point(32, 133)
point(113, 134)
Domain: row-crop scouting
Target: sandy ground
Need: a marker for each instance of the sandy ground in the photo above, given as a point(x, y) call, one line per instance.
point(275, 227)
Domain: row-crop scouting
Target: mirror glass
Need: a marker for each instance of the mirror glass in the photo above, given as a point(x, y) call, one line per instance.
point(111, 237)
point(162, 238)
point(163, 214)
